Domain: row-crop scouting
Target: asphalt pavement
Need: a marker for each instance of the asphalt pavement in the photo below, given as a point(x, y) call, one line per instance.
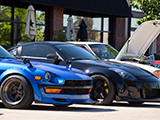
point(116, 111)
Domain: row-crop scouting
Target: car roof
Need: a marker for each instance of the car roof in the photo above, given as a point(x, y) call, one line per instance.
point(44, 42)
point(87, 43)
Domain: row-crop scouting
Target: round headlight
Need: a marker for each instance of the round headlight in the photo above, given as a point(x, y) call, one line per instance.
point(47, 76)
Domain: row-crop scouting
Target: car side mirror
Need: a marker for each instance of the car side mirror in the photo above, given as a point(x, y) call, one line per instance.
point(52, 57)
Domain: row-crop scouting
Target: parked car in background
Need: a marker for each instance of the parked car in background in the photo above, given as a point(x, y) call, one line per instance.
point(108, 53)
point(111, 80)
point(22, 82)
point(133, 51)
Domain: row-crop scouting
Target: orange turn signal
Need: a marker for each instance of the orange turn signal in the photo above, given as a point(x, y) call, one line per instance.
point(50, 90)
point(156, 73)
point(90, 90)
point(37, 77)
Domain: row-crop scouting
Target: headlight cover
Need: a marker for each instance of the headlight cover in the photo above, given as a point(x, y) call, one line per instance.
point(53, 78)
point(48, 76)
point(123, 74)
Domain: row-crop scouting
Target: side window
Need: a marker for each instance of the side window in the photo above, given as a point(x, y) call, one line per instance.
point(14, 52)
point(37, 50)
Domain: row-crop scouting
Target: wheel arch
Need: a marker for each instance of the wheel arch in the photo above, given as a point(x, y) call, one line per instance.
point(115, 84)
point(114, 77)
point(27, 76)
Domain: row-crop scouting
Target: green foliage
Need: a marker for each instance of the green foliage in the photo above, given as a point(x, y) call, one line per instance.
point(60, 36)
point(151, 9)
point(5, 32)
point(40, 19)
point(20, 14)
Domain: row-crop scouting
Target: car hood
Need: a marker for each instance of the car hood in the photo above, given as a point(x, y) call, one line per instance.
point(62, 71)
point(136, 71)
point(141, 40)
point(142, 66)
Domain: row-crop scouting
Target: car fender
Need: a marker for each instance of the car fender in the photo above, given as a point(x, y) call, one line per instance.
point(113, 76)
point(27, 75)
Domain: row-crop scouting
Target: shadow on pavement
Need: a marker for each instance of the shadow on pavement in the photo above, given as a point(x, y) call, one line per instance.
point(126, 104)
point(70, 108)
point(88, 108)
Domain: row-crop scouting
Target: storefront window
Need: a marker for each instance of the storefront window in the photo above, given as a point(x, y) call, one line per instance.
point(105, 25)
point(14, 30)
point(96, 24)
point(94, 36)
point(93, 26)
point(105, 37)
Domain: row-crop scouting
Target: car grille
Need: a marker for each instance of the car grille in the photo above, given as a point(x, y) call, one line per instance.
point(76, 83)
point(75, 91)
point(150, 93)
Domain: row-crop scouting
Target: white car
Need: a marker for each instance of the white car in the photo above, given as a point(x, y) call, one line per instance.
point(135, 47)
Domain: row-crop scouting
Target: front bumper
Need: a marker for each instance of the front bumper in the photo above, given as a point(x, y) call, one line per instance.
point(68, 94)
point(141, 91)
point(141, 95)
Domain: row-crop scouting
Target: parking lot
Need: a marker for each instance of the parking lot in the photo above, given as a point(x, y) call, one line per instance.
point(117, 111)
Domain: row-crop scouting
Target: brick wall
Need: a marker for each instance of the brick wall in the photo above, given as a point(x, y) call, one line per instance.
point(56, 22)
point(120, 33)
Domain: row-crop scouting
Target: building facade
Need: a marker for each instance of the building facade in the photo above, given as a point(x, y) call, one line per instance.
point(105, 19)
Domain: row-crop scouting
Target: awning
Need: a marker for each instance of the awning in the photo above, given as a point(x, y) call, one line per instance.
point(90, 8)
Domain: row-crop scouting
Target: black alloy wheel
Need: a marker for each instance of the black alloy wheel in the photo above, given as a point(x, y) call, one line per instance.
point(16, 92)
point(103, 90)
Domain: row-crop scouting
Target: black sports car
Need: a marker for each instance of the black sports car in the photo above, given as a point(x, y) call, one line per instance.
point(111, 80)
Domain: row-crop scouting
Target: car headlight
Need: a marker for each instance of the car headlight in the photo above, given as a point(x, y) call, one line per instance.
point(123, 74)
point(157, 73)
point(48, 76)
point(53, 78)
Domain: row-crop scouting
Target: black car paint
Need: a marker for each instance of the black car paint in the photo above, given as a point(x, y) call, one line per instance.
point(125, 89)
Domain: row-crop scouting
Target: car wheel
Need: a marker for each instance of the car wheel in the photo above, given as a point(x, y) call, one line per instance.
point(103, 89)
point(16, 92)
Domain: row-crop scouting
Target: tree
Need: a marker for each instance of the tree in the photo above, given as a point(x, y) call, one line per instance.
point(150, 8)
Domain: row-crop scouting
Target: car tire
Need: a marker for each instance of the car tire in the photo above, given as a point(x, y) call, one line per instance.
point(103, 90)
point(16, 92)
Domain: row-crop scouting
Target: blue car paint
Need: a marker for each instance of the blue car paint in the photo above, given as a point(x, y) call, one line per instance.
point(14, 66)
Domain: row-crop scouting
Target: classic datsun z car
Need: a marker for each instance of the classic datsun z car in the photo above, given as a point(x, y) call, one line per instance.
point(22, 82)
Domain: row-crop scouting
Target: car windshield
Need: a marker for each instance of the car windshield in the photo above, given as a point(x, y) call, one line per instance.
point(104, 51)
point(75, 53)
point(5, 54)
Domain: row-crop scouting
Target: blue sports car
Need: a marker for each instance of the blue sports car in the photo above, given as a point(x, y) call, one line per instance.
point(22, 82)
